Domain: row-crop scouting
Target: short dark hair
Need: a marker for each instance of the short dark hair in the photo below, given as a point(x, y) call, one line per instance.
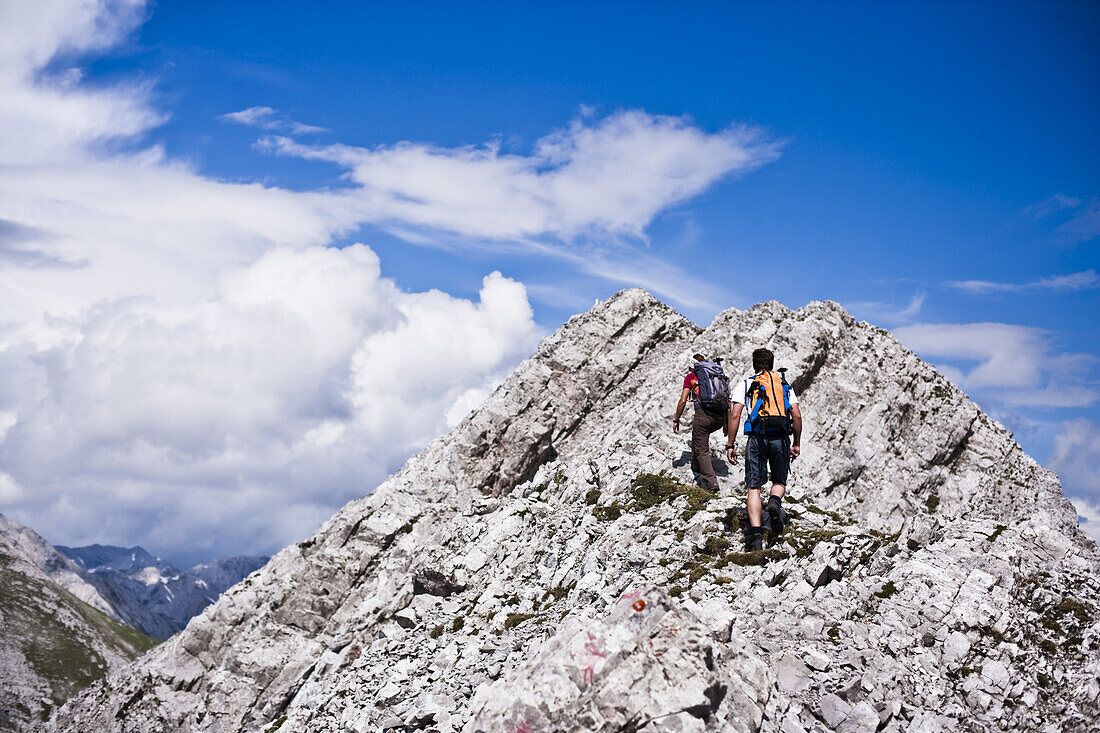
point(763, 360)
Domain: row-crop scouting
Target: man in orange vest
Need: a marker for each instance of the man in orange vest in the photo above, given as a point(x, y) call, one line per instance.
point(767, 447)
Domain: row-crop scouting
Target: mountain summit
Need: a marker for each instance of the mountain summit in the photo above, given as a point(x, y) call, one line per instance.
point(550, 565)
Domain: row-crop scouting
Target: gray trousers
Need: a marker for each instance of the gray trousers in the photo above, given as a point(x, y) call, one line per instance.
point(702, 425)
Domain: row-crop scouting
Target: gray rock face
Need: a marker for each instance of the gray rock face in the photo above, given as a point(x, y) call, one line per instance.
point(933, 577)
point(55, 565)
point(150, 594)
point(51, 642)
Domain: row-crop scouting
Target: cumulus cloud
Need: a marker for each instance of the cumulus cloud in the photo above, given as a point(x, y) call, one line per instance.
point(1084, 280)
point(186, 363)
point(300, 385)
point(1015, 364)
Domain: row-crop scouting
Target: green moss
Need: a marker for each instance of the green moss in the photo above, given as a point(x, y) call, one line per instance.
point(932, 502)
point(275, 724)
point(457, 625)
point(697, 572)
point(1070, 605)
point(747, 559)
point(592, 497)
point(650, 489)
point(607, 513)
point(715, 546)
point(1043, 680)
point(834, 634)
point(722, 580)
point(436, 632)
point(515, 619)
point(558, 592)
point(888, 590)
point(814, 509)
point(676, 591)
point(992, 537)
point(1048, 647)
point(803, 541)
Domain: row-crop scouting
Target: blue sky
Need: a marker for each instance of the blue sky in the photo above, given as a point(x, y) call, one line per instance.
point(933, 167)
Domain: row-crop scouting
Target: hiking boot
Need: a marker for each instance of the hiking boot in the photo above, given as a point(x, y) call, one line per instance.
point(777, 518)
point(754, 540)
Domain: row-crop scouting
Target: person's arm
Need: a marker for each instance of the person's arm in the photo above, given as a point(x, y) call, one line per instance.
point(731, 431)
point(685, 393)
point(796, 423)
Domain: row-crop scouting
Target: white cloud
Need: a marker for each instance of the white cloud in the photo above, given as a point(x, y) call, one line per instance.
point(1054, 204)
point(1076, 459)
point(1084, 280)
point(1083, 223)
point(183, 362)
point(610, 176)
point(1015, 364)
point(890, 313)
point(305, 380)
point(267, 118)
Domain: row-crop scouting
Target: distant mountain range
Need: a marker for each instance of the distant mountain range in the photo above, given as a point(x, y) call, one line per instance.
point(152, 595)
point(57, 633)
point(69, 615)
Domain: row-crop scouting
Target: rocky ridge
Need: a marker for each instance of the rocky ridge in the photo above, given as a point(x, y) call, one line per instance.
point(550, 565)
point(53, 642)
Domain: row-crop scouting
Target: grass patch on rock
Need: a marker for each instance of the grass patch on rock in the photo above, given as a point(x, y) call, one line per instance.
point(515, 619)
point(650, 489)
point(608, 513)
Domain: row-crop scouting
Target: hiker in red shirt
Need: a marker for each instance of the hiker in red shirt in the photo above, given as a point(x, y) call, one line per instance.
point(703, 423)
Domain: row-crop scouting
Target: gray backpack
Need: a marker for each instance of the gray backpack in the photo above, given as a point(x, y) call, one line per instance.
point(714, 387)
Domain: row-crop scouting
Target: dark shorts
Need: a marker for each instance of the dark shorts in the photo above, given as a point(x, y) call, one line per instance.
point(763, 452)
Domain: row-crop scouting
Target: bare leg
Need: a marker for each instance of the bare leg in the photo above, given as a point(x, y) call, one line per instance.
point(754, 507)
point(778, 490)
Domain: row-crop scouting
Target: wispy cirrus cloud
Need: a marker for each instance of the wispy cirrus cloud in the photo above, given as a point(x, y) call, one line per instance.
point(888, 312)
point(1084, 226)
point(1084, 280)
point(267, 118)
point(596, 178)
point(1054, 204)
point(1083, 223)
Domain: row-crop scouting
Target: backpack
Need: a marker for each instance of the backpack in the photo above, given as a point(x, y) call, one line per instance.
point(769, 404)
point(714, 387)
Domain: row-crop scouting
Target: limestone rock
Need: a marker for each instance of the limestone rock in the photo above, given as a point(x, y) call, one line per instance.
point(460, 593)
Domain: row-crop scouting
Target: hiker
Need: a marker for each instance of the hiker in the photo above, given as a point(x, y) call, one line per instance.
point(707, 386)
point(772, 417)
